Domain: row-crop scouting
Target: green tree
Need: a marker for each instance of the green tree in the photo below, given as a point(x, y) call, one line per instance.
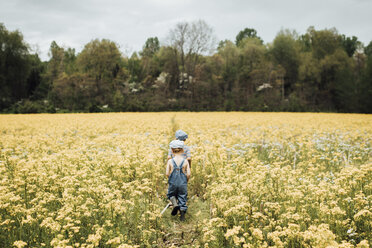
point(69, 61)
point(365, 99)
point(61, 65)
point(209, 89)
point(15, 67)
point(229, 54)
point(151, 47)
point(350, 44)
point(35, 81)
point(324, 42)
point(368, 50)
point(169, 66)
point(285, 52)
point(222, 43)
point(252, 68)
point(55, 64)
point(136, 72)
point(346, 88)
point(309, 79)
point(246, 33)
point(150, 61)
point(100, 61)
point(75, 92)
point(328, 76)
point(61, 61)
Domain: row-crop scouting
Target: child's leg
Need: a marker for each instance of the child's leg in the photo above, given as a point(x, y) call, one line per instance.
point(172, 196)
point(172, 191)
point(182, 197)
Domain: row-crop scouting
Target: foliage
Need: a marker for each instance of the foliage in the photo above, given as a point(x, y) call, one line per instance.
point(32, 107)
point(100, 59)
point(246, 33)
point(151, 47)
point(320, 70)
point(350, 44)
point(14, 67)
point(285, 52)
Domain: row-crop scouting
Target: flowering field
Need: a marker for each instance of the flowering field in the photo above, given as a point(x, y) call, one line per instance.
point(258, 180)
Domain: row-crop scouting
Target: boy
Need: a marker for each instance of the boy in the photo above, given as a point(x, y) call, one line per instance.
point(178, 173)
point(181, 135)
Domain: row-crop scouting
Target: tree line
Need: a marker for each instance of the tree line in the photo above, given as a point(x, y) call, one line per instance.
point(320, 70)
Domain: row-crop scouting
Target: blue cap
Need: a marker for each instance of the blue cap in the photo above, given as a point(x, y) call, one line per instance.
point(176, 144)
point(181, 135)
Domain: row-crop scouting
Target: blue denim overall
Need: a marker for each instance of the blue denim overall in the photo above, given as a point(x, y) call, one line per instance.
point(178, 185)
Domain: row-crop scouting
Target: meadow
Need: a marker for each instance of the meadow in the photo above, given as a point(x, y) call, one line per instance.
point(258, 180)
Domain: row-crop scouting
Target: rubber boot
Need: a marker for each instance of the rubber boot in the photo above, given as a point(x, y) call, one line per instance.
point(175, 205)
point(182, 217)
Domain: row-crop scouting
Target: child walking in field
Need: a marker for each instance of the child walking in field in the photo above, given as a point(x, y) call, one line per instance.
point(181, 135)
point(178, 173)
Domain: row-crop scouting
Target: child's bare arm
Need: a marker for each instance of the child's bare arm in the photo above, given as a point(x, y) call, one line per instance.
point(188, 155)
point(188, 170)
point(168, 169)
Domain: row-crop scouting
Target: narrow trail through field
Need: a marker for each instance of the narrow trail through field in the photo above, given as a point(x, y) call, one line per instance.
point(185, 233)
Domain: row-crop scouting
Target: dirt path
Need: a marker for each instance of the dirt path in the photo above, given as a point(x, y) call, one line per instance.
point(189, 232)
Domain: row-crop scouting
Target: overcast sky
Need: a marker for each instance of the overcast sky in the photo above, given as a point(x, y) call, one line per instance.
point(73, 23)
